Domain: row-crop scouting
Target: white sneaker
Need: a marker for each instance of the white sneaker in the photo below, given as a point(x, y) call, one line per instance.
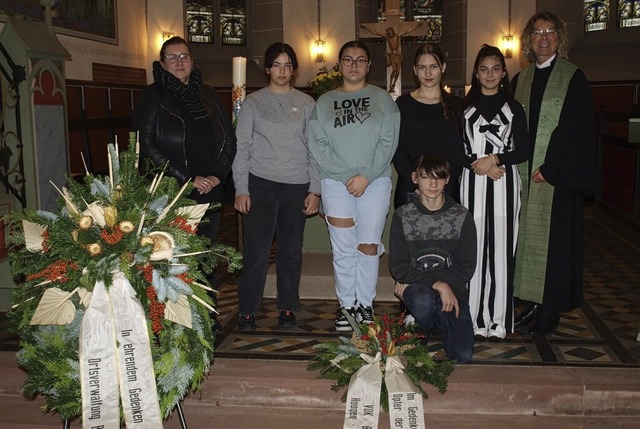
point(497, 333)
point(481, 332)
point(409, 320)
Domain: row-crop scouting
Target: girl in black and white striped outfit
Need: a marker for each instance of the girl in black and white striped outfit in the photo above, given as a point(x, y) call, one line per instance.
point(494, 140)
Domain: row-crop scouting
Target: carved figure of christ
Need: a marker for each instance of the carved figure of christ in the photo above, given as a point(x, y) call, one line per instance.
point(393, 29)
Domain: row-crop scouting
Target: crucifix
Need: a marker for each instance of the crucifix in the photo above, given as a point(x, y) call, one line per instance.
point(393, 29)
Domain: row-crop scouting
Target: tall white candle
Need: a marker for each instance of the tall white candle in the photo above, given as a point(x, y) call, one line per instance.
point(137, 148)
point(239, 87)
point(239, 71)
point(110, 168)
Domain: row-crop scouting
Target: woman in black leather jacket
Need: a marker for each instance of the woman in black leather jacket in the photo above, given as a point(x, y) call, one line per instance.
point(184, 126)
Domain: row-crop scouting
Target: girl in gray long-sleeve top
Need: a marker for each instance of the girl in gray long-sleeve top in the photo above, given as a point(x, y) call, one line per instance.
point(277, 186)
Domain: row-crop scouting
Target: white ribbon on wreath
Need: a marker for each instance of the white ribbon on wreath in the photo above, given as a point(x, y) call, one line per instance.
point(406, 409)
point(115, 360)
point(363, 396)
point(406, 406)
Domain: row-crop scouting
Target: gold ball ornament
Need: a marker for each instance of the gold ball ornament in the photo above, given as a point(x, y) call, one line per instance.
point(110, 216)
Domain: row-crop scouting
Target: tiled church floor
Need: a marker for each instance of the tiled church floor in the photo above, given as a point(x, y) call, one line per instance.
point(602, 333)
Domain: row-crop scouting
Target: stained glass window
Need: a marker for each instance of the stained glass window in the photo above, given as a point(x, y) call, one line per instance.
point(628, 13)
point(233, 22)
point(429, 11)
point(596, 15)
point(382, 6)
point(200, 21)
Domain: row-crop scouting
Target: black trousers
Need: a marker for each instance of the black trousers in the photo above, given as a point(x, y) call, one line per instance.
point(276, 211)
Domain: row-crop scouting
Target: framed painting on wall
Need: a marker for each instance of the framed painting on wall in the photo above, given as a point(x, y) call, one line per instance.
point(87, 19)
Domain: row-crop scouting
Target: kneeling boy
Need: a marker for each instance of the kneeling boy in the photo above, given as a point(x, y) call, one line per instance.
point(432, 257)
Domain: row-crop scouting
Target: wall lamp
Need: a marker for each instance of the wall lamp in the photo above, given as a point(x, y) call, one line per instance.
point(320, 51)
point(320, 45)
point(507, 41)
point(507, 46)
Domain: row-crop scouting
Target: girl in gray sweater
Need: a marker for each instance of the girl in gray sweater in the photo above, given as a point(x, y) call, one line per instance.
point(277, 186)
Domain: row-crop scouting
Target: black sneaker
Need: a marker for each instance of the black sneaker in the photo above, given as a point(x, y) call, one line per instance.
point(286, 319)
point(364, 314)
point(342, 323)
point(247, 323)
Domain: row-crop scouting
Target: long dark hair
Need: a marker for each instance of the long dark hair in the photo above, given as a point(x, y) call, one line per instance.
point(474, 92)
point(273, 52)
point(435, 51)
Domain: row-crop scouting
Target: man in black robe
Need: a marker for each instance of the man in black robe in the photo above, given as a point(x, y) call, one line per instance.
point(561, 171)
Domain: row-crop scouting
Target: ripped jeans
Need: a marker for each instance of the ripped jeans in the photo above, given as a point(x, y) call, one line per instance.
point(356, 273)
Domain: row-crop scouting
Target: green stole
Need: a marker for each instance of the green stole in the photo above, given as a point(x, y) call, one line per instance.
point(537, 198)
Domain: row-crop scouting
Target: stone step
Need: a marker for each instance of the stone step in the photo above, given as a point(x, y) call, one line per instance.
point(473, 389)
point(282, 394)
point(16, 412)
point(27, 415)
point(317, 282)
point(265, 418)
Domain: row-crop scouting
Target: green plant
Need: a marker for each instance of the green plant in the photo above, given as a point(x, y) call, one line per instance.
point(326, 80)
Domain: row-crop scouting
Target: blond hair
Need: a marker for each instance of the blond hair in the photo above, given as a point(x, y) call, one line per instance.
point(561, 28)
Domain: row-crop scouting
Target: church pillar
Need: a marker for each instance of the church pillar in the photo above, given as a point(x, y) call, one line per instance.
point(266, 26)
point(49, 132)
point(42, 124)
point(34, 135)
point(454, 41)
point(365, 11)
